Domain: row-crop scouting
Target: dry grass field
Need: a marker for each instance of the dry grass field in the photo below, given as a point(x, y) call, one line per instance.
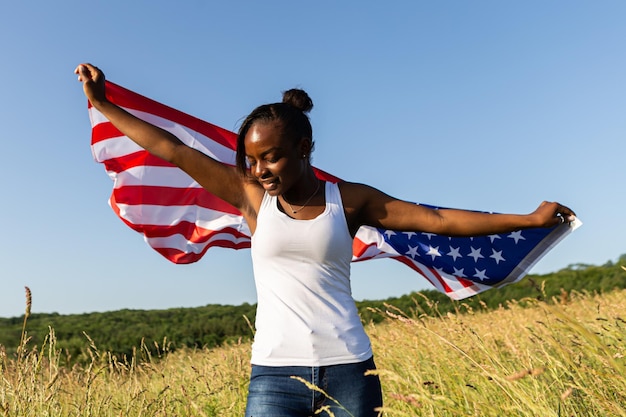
point(564, 358)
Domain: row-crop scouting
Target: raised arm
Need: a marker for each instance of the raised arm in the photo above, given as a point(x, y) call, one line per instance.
point(368, 206)
point(219, 179)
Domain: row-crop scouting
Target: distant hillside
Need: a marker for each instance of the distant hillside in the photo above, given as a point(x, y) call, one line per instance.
point(557, 285)
point(119, 332)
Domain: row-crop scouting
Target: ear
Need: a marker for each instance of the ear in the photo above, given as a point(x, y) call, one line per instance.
point(305, 147)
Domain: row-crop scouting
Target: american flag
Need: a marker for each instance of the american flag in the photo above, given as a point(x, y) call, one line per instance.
point(181, 220)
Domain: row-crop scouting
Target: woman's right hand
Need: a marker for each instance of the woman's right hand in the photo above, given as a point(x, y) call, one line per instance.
point(93, 82)
point(220, 179)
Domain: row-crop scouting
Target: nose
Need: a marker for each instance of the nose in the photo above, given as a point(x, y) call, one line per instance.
point(259, 169)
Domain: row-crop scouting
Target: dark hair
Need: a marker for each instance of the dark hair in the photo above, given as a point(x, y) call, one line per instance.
point(292, 112)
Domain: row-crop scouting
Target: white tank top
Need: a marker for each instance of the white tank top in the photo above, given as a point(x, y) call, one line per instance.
point(306, 315)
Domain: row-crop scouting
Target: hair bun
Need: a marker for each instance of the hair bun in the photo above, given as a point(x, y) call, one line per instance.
point(298, 99)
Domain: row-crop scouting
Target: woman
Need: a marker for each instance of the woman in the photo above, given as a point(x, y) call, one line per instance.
point(302, 229)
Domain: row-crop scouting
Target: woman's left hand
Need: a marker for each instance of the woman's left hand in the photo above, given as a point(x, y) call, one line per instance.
point(550, 214)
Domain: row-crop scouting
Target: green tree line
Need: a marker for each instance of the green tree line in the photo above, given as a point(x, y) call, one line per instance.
point(121, 332)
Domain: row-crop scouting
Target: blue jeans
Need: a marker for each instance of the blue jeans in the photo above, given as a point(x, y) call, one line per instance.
point(274, 393)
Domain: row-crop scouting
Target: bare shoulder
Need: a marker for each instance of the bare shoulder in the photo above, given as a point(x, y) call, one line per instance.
point(355, 195)
point(366, 205)
point(358, 200)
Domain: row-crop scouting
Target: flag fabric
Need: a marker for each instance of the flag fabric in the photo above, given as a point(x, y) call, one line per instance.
point(181, 221)
point(463, 266)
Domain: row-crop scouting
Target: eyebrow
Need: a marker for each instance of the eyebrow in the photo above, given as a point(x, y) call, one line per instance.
point(274, 149)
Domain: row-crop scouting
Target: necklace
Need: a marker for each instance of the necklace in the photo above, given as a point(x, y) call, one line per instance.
point(294, 211)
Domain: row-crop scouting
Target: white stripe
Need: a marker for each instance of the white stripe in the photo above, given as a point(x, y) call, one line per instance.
point(372, 252)
point(371, 236)
point(113, 148)
point(96, 117)
point(188, 136)
point(458, 290)
point(205, 218)
point(179, 242)
point(464, 293)
point(153, 176)
point(428, 275)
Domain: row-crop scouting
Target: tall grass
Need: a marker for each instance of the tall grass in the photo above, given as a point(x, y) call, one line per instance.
point(547, 360)
point(537, 359)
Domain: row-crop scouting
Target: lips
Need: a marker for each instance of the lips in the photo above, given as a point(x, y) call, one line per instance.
point(270, 185)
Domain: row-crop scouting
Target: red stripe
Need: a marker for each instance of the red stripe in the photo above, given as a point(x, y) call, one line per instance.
point(359, 248)
point(170, 196)
point(180, 257)
point(411, 265)
point(131, 100)
point(323, 175)
point(135, 159)
point(465, 282)
point(104, 131)
point(190, 231)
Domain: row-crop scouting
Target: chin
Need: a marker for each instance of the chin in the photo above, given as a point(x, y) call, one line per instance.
point(274, 192)
point(272, 189)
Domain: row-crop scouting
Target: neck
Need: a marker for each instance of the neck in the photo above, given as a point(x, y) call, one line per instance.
point(301, 204)
point(302, 190)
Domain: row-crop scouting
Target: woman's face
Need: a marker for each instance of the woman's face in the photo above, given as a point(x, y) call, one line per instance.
point(276, 161)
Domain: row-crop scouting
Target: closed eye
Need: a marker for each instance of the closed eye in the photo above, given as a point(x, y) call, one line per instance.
point(269, 157)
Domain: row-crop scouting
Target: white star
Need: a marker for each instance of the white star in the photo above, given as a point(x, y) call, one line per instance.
point(409, 235)
point(454, 252)
point(475, 253)
point(389, 233)
point(433, 252)
point(497, 255)
point(480, 274)
point(494, 237)
point(412, 251)
point(517, 236)
point(460, 273)
point(428, 235)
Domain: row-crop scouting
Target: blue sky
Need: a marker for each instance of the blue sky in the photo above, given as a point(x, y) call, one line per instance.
point(484, 105)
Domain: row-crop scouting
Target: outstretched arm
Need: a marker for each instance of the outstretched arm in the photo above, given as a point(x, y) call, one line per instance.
point(219, 179)
point(368, 206)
